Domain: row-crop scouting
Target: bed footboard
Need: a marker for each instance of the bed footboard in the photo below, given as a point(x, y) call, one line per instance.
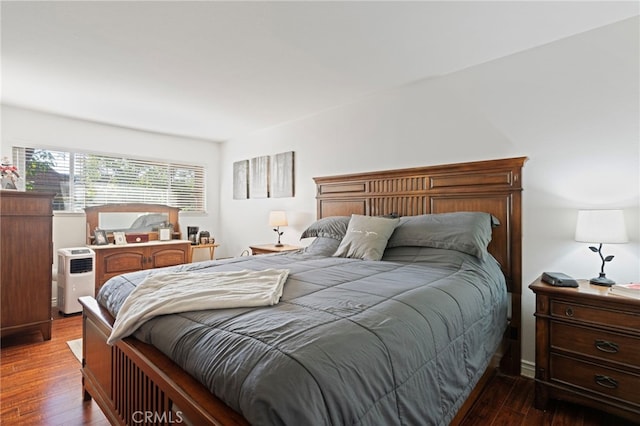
point(134, 383)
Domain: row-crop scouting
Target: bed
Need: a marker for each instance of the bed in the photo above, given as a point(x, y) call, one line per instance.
point(407, 336)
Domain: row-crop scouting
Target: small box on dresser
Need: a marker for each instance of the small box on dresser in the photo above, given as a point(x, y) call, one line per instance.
point(587, 348)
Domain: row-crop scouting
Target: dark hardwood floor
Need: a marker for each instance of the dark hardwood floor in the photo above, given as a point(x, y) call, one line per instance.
point(40, 384)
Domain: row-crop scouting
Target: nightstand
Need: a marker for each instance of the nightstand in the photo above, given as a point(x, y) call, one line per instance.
point(271, 248)
point(210, 246)
point(587, 348)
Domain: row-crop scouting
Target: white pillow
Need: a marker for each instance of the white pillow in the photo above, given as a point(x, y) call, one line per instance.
point(366, 237)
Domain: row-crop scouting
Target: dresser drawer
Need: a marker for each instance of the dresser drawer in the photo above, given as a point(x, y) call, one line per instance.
point(596, 343)
point(607, 381)
point(590, 314)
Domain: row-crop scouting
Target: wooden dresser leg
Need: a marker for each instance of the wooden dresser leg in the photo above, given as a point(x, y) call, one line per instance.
point(541, 398)
point(86, 396)
point(46, 330)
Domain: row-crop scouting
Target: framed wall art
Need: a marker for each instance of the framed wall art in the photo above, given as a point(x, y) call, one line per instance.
point(259, 177)
point(282, 175)
point(241, 180)
point(265, 177)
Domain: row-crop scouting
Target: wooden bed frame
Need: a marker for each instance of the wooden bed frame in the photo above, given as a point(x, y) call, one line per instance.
point(132, 381)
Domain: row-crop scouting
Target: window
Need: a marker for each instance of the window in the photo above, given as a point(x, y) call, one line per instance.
point(84, 179)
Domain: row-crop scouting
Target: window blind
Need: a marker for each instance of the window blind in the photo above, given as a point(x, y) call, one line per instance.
point(82, 179)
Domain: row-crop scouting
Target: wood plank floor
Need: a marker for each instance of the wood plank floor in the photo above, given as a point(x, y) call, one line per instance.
point(40, 384)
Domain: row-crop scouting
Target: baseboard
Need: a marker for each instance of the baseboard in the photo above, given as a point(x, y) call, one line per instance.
point(528, 369)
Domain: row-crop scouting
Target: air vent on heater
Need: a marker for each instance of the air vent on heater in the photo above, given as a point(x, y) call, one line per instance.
point(78, 266)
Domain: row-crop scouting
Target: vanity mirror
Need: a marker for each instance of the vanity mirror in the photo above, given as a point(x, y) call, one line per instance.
point(132, 218)
point(132, 221)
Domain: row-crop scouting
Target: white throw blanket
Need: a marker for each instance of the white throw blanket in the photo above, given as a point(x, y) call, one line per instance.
point(170, 293)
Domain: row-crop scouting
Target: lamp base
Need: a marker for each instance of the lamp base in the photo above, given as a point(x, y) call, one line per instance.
point(279, 245)
point(602, 280)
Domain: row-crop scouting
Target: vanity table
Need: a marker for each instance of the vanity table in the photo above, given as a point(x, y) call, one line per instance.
point(112, 259)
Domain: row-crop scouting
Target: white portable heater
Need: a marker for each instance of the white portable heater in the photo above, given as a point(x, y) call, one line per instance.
point(76, 277)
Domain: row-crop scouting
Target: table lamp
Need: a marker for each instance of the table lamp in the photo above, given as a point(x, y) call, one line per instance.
point(278, 219)
point(601, 227)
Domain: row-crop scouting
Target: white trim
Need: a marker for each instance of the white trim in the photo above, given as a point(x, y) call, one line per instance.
point(527, 369)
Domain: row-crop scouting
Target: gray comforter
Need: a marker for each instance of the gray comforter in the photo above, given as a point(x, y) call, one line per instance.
point(399, 341)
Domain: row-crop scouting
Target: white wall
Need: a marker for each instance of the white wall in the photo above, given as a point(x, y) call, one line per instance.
point(570, 106)
point(29, 128)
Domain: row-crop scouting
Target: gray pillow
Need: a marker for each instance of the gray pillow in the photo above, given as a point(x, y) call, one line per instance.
point(330, 227)
point(366, 237)
point(468, 232)
point(322, 246)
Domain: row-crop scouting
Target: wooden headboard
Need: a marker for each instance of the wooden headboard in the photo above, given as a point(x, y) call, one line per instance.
point(493, 186)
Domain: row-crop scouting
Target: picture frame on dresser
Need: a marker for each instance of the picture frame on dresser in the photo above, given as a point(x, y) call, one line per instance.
point(119, 238)
point(100, 237)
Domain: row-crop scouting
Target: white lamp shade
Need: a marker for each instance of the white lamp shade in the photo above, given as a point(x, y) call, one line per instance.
point(278, 218)
point(601, 226)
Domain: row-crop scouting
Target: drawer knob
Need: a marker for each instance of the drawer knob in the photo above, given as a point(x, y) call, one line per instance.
point(606, 381)
point(569, 312)
point(606, 346)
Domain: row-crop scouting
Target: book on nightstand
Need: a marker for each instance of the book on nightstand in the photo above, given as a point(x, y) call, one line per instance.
point(628, 290)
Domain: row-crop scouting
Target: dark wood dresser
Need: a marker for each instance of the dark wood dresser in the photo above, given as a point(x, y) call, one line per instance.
point(588, 348)
point(25, 260)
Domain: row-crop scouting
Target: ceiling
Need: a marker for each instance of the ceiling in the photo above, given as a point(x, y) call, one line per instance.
point(221, 70)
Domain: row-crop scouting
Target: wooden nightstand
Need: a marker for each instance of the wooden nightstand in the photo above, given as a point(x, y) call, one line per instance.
point(587, 348)
point(211, 247)
point(271, 248)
